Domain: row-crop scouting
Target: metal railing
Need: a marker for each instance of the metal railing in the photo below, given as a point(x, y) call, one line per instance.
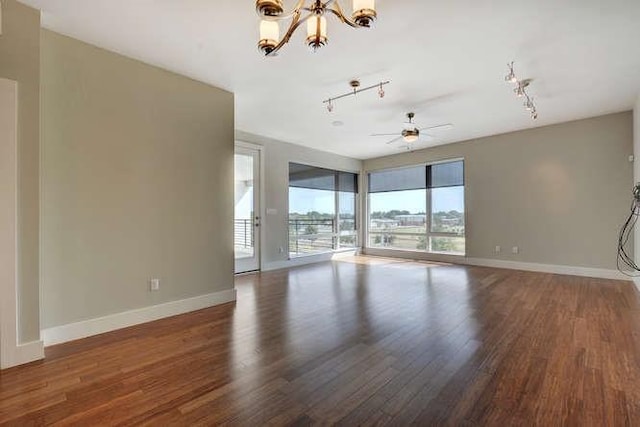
point(308, 236)
point(243, 233)
point(311, 236)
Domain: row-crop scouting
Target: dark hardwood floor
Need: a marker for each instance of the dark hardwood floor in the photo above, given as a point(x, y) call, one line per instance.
point(358, 341)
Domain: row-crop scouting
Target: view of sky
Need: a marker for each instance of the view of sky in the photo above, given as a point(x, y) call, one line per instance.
point(303, 200)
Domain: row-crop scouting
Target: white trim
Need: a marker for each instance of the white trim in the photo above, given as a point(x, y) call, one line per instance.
point(12, 352)
point(309, 259)
point(601, 273)
point(100, 325)
point(263, 202)
point(636, 281)
point(415, 255)
point(254, 150)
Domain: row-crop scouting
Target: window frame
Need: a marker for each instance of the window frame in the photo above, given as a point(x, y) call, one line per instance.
point(336, 221)
point(428, 206)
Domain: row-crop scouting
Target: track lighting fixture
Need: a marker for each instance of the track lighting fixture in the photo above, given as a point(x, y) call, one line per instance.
point(355, 89)
point(511, 77)
point(521, 90)
point(272, 11)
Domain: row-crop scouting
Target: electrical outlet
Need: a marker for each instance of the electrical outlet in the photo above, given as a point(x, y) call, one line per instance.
point(515, 250)
point(498, 249)
point(281, 249)
point(154, 285)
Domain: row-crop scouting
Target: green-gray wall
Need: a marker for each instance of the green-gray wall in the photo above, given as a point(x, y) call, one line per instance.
point(137, 183)
point(20, 61)
point(558, 192)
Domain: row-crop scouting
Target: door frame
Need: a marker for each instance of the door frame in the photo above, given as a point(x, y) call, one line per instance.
point(12, 351)
point(261, 197)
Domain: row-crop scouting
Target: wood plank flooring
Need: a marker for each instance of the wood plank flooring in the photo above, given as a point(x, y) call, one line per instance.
point(359, 341)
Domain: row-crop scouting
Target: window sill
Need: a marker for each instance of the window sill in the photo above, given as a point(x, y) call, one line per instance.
point(421, 255)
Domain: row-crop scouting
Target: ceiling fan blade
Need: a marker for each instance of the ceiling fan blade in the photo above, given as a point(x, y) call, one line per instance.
point(384, 134)
point(394, 140)
point(445, 126)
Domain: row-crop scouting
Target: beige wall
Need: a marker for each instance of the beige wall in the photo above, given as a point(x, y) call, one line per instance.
point(277, 156)
point(137, 176)
point(559, 192)
point(20, 61)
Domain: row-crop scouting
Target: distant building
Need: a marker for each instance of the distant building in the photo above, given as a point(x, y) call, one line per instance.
point(383, 223)
point(411, 220)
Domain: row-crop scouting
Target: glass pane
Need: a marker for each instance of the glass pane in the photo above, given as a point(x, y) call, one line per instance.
point(398, 220)
point(412, 178)
point(448, 245)
point(311, 221)
point(304, 176)
point(347, 220)
point(449, 174)
point(243, 218)
point(447, 210)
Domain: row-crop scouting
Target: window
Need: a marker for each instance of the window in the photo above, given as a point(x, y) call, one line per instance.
point(322, 210)
point(419, 208)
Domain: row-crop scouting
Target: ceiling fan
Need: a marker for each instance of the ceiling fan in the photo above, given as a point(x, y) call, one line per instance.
point(411, 133)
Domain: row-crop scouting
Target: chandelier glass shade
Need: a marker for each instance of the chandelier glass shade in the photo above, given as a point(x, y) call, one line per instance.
point(314, 14)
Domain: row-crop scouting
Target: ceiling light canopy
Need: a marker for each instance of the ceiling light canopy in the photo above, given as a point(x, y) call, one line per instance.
point(272, 11)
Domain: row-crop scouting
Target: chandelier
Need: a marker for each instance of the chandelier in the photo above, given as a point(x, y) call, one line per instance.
point(313, 13)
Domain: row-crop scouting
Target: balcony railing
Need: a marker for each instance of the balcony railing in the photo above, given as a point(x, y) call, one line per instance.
point(243, 232)
point(311, 236)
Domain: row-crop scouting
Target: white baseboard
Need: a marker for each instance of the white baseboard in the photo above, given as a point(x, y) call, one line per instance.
point(601, 273)
point(23, 353)
point(413, 255)
point(497, 263)
point(309, 259)
point(100, 325)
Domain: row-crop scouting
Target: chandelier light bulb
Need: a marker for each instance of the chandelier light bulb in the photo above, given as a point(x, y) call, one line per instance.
point(269, 36)
point(317, 32)
point(269, 8)
point(364, 12)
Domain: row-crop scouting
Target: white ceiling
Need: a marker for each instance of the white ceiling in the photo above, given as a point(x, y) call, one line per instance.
point(446, 60)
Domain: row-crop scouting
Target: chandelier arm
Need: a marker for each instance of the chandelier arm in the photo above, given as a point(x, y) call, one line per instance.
point(337, 10)
point(295, 23)
point(285, 16)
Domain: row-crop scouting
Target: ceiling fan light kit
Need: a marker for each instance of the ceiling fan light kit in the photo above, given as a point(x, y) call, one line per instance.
point(313, 13)
point(521, 91)
point(411, 133)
